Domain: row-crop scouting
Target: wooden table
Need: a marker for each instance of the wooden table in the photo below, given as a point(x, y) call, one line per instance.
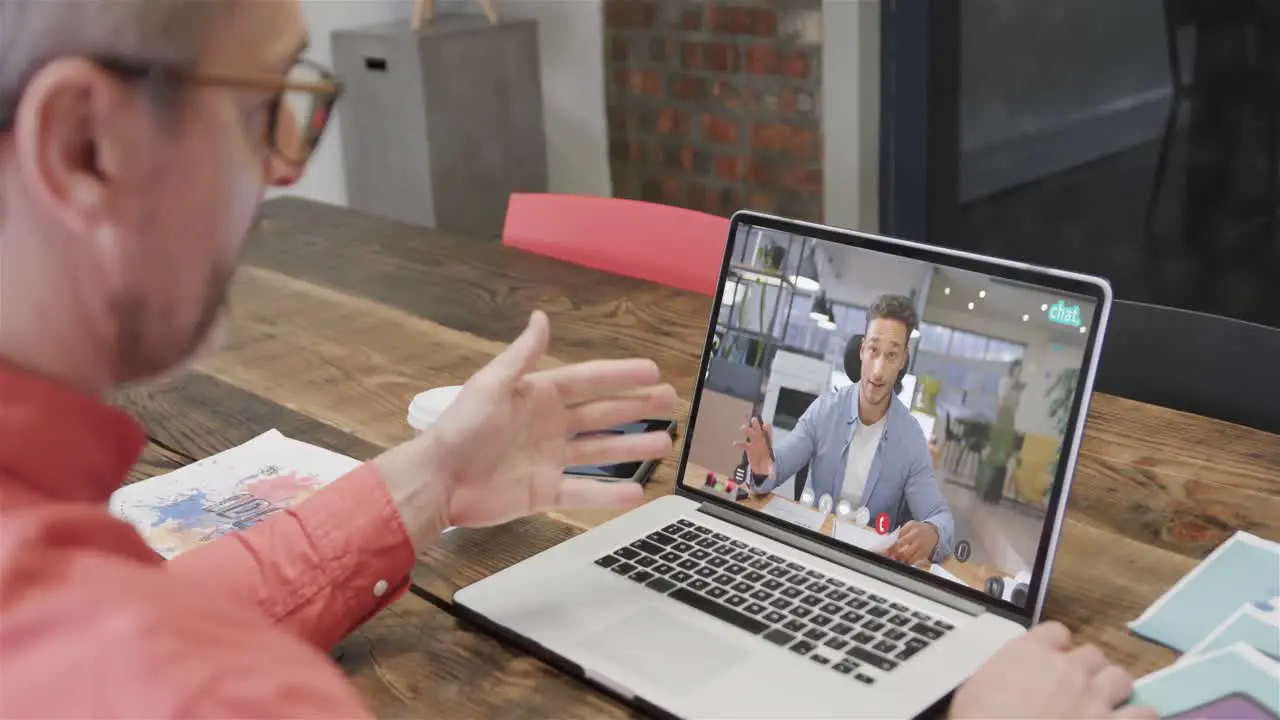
point(340, 318)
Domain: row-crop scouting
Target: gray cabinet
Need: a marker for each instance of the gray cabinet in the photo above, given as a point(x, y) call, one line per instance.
point(441, 125)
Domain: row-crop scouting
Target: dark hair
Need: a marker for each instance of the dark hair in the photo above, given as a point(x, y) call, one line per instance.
point(894, 307)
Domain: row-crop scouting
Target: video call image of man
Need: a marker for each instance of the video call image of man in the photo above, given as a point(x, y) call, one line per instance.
point(863, 446)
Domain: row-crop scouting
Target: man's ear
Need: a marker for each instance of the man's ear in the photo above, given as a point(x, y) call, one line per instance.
point(67, 123)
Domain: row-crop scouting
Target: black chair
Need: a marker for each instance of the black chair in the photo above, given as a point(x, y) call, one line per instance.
point(1204, 364)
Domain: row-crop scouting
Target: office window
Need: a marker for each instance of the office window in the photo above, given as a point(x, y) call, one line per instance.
point(934, 338)
point(967, 345)
point(1002, 351)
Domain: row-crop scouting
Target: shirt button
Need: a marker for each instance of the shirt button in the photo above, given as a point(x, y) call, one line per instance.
point(380, 588)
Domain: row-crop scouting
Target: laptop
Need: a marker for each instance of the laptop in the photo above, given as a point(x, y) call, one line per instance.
point(711, 602)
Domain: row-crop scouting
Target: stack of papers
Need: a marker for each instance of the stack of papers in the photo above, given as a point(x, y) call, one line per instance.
point(231, 490)
point(1224, 617)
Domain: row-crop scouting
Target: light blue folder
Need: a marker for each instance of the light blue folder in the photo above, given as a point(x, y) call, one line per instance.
point(1244, 570)
point(1234, 683)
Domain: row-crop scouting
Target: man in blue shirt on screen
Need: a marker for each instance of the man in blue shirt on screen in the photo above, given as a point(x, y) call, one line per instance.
point(863, 446)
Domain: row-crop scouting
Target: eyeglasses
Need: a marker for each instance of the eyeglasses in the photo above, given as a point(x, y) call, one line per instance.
point(297, 116)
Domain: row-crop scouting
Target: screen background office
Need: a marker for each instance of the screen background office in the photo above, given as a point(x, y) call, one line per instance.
point(791, 306)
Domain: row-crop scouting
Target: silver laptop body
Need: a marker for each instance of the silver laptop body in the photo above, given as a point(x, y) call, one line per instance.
point(630, 607)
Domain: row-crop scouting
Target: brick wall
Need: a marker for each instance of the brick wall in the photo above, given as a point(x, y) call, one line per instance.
point(713, 104)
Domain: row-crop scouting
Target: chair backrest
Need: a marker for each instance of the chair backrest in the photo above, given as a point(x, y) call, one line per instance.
point(1199, 363)
point(660, 243)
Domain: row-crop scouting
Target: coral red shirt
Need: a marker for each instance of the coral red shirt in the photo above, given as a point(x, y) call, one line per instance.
point(94, 624)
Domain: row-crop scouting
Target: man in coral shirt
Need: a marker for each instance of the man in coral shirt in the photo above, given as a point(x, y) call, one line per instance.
point(136, 140)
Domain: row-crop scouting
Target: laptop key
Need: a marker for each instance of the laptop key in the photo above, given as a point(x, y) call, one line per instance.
point(865, 679)
point(684, 523)
point(838, 596)
point(857, 591)
point(735, 601)
point(738, 544)
point(906, 654)
point(797, 580)
point(716, 610)
point(756, 551)
point(885, 647)
point(663, 569)
point(673, 529)
point(877, 599)
point(874, 626)
point(778, 572)
point(795, 626)
point(608, 561)
point(779, 637)
point(777, 559)
point(795, 567)
point(641, 576)
point(723, 579)
point(802, 647)
point(813, 574)
point(818, 587)
point(857, 652)
point(754, 608)
point(688, 564)
point(661, 538)
point(899, 620)
point(921, 616)
point(670, 556)
point(736, 569)
point(780, 603)
point(762, 596)
point(699, 554)
point(699, 585)
point(944, 626)
point(811, 600)
point(820, 659)
point(836, 642)
point(770, 584)
point(894, 634)
point(742, 556)
point(876, 611)
point(680, 576)
point(852, 617)
point(862, 637)
point(820, 620)
point(715, 593)
point(859, 604)
point(717, 562)
point(753, 577)
point(899, 607)
point(661, 585)
point(646, 561)
point(927, 631)
point(800, 611)
point(701, 530)
point(723, 550)
point(773, 617)
point(842, 667)
point(720, 536)
point(791, 592)
point(690, 536)
point(759, 565)
point(706, 543)
point(842, 629)
point(815, 634)
point(705, 572)
point(646, 547)
point(682, 547)
point(742, 587)
point(831, 609)
point(625, 568)
point(627, 553)
point(835, 582)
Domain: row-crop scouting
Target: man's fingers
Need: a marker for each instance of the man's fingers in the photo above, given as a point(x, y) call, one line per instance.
point(520, 356)
point(579, 492)
point(583, 382)
point(1113, 684)
point(1051, 633)
point(655, 401)
point(1089, 658)
point(605, 449)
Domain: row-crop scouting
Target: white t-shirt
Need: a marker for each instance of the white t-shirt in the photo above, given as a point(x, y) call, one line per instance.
point(862, 452)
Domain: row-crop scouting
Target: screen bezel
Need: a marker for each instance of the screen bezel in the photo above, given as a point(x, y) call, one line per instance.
point(1093, 288)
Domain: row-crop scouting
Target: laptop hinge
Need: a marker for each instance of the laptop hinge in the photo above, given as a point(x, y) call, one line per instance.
point(898, 580)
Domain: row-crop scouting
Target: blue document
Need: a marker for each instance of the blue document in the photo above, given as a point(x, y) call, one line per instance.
point(1244, 570)
point(1234, 683)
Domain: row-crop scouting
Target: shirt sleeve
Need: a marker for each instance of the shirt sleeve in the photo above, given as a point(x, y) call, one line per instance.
point(320, 569)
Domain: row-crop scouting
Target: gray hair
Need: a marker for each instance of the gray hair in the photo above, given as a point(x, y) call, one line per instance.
point(894, 307)
point(35, 32)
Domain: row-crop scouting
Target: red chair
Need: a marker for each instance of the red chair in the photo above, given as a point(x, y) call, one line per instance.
point(659, 243)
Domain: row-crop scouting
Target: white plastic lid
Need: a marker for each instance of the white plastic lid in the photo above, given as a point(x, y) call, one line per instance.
point(428, 406)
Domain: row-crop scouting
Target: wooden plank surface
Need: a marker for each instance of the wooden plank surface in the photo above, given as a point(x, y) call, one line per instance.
point(340, 318)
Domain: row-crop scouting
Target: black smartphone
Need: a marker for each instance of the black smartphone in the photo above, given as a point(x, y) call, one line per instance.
point(637, 472)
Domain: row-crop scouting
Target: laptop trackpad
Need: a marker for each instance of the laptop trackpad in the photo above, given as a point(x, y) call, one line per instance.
point(665, 650)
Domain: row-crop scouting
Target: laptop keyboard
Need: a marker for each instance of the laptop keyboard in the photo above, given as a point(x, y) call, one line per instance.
point(853, 632)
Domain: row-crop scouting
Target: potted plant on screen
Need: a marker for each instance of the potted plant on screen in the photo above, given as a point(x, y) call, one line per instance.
point(1060, 394)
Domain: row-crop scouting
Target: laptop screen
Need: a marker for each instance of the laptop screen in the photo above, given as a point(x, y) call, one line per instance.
point(914, 404)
